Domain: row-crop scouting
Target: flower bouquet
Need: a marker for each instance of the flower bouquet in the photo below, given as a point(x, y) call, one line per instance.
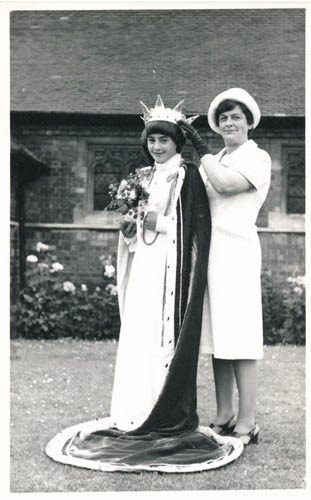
point(131, 195)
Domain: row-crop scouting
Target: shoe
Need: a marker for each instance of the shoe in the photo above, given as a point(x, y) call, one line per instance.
point(248, 438)
point(224, 429)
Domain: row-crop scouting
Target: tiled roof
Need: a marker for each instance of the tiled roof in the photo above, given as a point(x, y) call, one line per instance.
point(106, 61)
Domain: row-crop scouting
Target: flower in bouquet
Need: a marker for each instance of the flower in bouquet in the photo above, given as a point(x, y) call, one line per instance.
point(131, 194)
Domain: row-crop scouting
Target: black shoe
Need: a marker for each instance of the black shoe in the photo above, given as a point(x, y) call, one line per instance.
point(248, 438)
point(224, 429)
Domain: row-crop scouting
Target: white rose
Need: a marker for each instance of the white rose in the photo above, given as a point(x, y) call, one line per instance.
point(69, 287)
point(56, 266)
point(113, 289)
point(109, 270)
point(31, 258)
point(84, 288)
point(301, 280)
point(41, 247)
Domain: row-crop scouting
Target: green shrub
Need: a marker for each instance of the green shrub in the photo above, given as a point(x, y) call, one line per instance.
point(283, 311)
point(51, 307)
point(294, 298)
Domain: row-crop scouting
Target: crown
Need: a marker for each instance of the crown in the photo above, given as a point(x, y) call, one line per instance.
point(160, 112)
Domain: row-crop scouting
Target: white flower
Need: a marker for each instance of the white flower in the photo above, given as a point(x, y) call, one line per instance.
point(84, 288)
point(69, 287)
point(56, 266)
point(298, 280)
point(109, 270)
point(301, 280)
point(298, 290)
point(31, 258)
point(132, 194)
point(97, 289)
point(123, 184)
point(41, 247)
point(113, 289)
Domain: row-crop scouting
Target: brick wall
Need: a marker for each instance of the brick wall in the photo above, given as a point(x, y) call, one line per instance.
point(283, 254)
point(59, 201)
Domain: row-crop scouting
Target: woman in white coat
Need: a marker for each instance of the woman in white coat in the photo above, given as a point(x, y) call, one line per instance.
point(237, 180)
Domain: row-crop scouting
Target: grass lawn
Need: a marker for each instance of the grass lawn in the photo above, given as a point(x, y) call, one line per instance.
point(56, 384)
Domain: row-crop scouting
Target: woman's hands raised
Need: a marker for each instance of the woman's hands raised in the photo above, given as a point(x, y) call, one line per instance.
point(194, 136)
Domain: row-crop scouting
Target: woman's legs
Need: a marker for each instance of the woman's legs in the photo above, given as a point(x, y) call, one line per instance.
point(245, 371)
point(224, 385)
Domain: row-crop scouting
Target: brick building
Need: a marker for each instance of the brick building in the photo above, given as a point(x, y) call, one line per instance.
point(76, 81)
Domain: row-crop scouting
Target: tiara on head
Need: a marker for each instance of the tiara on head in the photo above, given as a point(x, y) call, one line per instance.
point(161, 113)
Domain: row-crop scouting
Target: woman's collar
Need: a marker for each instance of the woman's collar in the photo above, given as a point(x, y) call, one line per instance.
point(174, 161)
point(247, 145)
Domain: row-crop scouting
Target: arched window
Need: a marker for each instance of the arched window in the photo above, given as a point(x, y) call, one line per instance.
point(109, 164)
point(107, 170)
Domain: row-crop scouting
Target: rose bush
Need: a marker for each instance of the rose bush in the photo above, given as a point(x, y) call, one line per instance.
point(284, 312)
point(51, 306)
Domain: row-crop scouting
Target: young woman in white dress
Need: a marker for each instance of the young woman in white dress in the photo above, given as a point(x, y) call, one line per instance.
point(237, 180)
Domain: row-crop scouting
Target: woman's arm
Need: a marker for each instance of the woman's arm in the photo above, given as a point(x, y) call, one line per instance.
point(224, 180)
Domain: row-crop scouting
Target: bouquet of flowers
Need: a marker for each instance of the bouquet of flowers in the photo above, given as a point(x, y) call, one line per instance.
point(130, 194)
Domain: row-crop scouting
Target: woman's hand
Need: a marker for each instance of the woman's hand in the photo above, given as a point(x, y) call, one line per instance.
point(128, 228)
point(150, 221)
point(195, 138)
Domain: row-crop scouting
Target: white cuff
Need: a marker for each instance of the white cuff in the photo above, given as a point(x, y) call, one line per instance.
point(130, 242)
point(162, 223)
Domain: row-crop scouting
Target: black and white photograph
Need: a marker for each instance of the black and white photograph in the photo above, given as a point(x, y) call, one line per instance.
point(157, 282)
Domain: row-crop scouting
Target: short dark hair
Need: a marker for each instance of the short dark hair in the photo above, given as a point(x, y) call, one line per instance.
point(165, 128)
point(228, 105)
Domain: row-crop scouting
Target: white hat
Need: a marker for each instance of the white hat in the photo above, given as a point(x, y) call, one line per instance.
point(235, 94)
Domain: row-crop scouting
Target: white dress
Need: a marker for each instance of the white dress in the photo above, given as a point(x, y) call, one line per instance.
point(145, 350)
point(232, 315)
